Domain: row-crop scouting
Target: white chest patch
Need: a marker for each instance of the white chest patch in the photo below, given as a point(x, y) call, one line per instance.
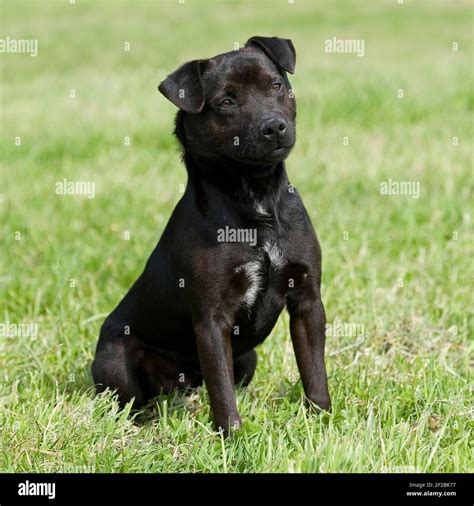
point(253, 271)
point(274, 254)
point(260, 209)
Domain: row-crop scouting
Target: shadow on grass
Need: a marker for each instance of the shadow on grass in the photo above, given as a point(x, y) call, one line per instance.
point(165, 405)
point(191, 401)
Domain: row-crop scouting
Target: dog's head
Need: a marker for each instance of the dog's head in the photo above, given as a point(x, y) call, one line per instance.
point(237, 105)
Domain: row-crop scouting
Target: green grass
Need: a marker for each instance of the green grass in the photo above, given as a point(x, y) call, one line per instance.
point(399, 266)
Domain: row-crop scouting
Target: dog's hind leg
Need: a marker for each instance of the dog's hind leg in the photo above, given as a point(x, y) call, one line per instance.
point(244, 368)
point(122, 363)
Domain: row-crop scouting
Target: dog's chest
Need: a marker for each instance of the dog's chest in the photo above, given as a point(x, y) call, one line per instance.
point(263, 273)
point(265, 269)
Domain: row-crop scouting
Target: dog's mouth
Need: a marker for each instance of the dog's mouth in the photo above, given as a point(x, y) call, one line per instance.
point(260, 155)
point(278, 153)
point(279, 150)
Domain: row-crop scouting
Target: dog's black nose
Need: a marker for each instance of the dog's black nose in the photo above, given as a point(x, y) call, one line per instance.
point(273, 129)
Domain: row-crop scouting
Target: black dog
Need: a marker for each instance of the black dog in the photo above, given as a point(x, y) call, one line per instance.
point(238, 247)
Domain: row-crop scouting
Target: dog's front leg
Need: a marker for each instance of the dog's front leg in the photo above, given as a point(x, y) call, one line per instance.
point(307, 327)
point(215, 357)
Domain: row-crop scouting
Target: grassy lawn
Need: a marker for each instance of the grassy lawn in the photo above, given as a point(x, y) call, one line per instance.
point(396, 269)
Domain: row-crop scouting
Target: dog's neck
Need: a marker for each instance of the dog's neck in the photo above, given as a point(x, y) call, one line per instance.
point(235, 178)
point(254, 190)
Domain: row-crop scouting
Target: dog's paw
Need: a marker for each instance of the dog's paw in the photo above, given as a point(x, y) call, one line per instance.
point(228, 430)
point(319, 403)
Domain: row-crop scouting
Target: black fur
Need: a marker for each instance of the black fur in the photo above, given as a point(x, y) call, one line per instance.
point(201, 306)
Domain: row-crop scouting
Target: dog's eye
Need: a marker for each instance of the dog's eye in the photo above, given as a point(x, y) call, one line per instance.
point(227, 102)
point(277, 86)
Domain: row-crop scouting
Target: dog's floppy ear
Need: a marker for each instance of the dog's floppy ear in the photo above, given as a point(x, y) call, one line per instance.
point(280, 51)
point(184, 87)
